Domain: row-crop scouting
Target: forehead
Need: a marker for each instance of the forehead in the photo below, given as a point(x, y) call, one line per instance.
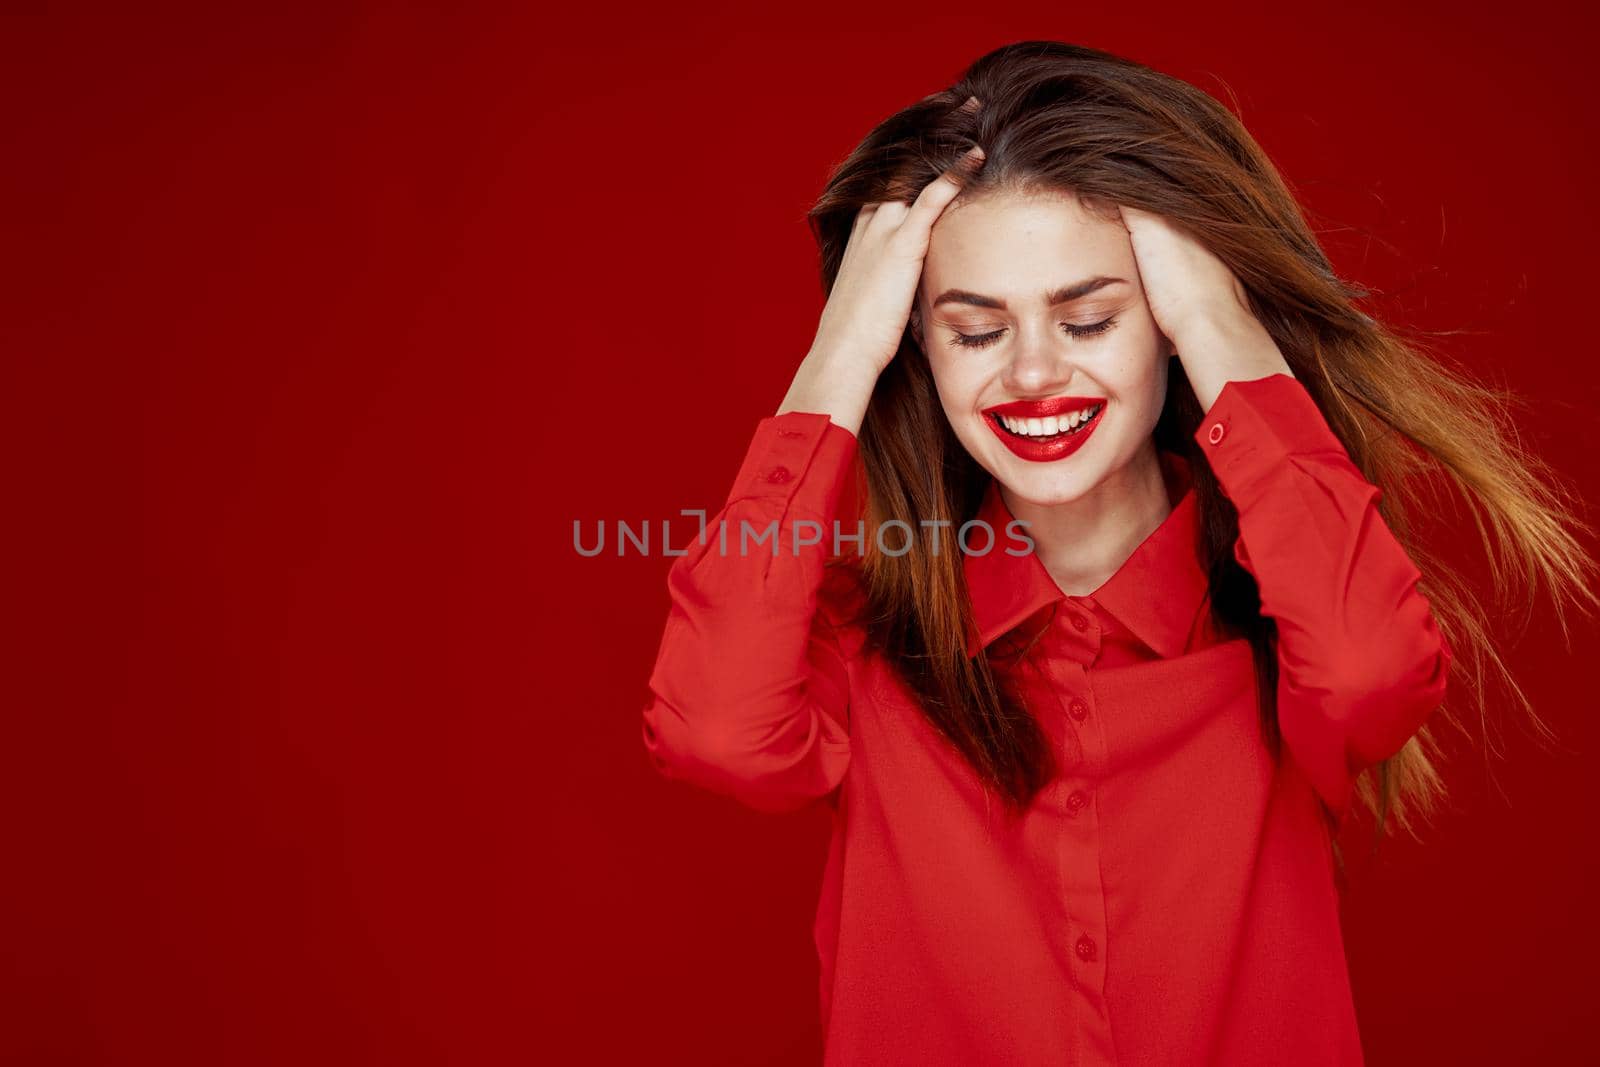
point(1018, 245)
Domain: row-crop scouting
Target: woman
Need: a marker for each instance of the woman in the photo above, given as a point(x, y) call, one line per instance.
point(1133, 563)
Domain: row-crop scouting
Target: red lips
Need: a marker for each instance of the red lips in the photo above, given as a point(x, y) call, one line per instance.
point(1038, 409)
point(1045, 449)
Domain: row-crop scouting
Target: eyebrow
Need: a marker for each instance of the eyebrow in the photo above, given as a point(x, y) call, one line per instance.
point(1064, 295)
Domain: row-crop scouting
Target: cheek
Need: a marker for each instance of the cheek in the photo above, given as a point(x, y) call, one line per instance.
point(955, 382)
point(960, 392)
point(1155, 378)
point(1142, 369)
point(1150, 392)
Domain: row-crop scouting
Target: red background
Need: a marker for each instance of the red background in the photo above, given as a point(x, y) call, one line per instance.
point(321, 328)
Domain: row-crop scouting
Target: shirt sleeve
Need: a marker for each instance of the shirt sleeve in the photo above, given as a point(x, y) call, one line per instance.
point(1362, 663)
point(749, 696)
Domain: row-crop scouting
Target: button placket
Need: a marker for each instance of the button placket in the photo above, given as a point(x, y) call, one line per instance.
point(1083, 893)
point(1075, 633)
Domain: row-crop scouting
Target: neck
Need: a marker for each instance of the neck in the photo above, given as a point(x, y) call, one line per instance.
point(1083, 542)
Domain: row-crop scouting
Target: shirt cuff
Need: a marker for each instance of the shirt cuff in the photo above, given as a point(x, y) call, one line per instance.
point(1253, 426)
point(799, 457)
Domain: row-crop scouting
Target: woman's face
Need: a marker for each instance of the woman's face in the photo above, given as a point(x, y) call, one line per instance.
point(1030, 309)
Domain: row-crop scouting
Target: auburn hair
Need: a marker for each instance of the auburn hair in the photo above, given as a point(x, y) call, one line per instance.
point(1108, 130)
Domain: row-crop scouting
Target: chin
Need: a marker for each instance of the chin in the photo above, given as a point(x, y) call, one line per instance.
point(1046, 488)
point(1039, 481)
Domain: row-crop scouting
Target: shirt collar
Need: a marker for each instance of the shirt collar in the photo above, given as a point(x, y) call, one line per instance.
point(1156, 593)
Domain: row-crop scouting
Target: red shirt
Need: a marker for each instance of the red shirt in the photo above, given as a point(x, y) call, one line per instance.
point(1169, 898)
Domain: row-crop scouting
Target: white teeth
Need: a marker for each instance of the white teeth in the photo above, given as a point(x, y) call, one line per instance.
point(1050, 425)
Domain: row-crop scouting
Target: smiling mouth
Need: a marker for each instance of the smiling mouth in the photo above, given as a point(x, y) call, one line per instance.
point(1051, 427)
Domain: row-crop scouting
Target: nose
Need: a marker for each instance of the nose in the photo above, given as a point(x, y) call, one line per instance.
point(1037, 368)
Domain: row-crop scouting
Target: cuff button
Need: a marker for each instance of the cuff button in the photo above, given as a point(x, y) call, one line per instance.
point(1217, 430)
point(778, 475)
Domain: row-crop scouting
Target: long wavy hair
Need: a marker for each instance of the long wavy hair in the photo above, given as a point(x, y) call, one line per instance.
point(1113, 131)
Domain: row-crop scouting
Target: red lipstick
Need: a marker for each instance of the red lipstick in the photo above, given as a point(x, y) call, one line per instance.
point(1045, 448)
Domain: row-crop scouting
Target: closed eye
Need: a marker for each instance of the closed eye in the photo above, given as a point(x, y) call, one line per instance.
point(984, 340)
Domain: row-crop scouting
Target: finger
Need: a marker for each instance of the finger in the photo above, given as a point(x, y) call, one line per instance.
point(885, 219)
point(936, 196)
point(1133, 217)
point(863, 222)
point(863, 217)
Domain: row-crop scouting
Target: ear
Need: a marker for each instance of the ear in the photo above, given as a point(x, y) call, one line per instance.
point(916, 328)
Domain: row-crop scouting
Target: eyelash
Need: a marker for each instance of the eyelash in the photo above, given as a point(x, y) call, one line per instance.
point(984, 340)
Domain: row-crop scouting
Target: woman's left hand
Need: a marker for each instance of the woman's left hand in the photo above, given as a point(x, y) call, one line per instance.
point(1201, 307)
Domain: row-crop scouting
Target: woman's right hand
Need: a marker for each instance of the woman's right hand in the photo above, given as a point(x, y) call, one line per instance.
point(870, 303)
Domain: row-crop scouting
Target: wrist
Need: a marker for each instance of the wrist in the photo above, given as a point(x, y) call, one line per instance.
point(1218, 350)
point(830, 385)
point(1221, 329)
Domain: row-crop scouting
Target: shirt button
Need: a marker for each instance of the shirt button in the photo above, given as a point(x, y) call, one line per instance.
point(778, 475)
point(1086, 948)
point(1217, 430)
point(1078, 709)
point(1079, 622)
point(1075, 801)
